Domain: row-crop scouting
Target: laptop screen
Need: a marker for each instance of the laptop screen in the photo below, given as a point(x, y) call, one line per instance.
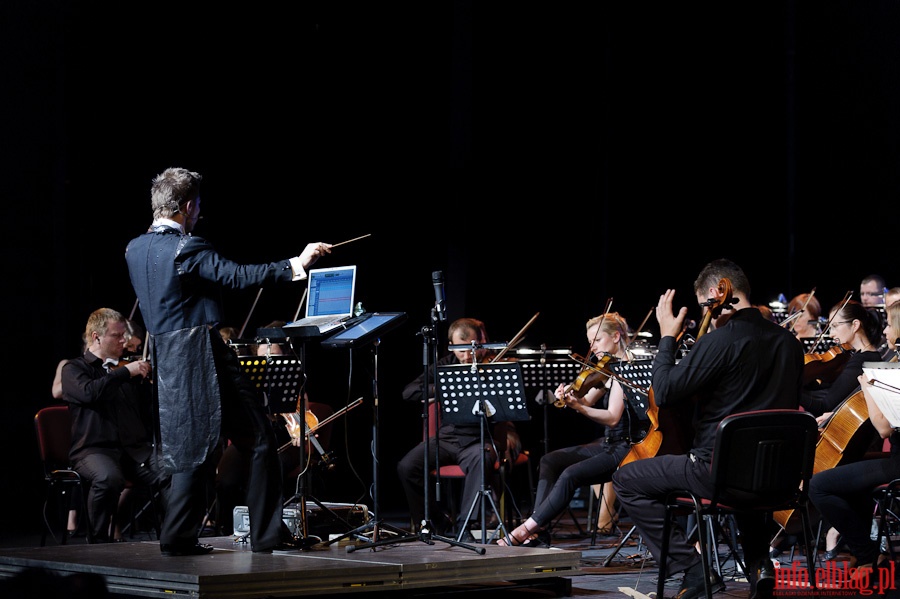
point(331, 291)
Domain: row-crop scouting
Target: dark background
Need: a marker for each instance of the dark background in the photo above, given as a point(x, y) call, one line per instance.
point(544, 156)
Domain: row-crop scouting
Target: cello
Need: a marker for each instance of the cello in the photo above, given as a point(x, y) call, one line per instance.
point(676, 423)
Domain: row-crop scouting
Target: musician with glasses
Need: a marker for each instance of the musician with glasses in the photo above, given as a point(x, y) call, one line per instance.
point(111, 438)
point(457, 444)
point(843, 494)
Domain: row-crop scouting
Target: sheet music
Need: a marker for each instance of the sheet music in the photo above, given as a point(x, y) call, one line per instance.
point(884, 386)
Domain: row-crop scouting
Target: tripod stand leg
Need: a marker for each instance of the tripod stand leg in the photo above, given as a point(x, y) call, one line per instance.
point(618, 548)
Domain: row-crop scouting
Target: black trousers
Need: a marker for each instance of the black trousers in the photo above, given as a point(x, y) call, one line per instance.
point(246, 424)
point(642, 487)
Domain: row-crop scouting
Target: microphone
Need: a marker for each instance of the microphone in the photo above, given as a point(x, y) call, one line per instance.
point(437, 278)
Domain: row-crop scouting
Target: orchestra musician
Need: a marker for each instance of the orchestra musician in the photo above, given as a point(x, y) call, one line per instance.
point(746, 363)
point(111, 422)
point(623, 415)
point(843, 494)
point(806, 325)
point(457, 444)
point(855, 330)
point(202, 391)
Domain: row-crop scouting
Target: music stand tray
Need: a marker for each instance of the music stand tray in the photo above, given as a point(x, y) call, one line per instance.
point(365, 329)
point(461, 387)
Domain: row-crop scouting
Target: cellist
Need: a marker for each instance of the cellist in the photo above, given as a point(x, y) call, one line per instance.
point(746, 363)
point(604, 400)
point(843, 494)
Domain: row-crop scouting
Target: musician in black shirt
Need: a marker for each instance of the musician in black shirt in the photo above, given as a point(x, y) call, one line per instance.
point(111, 438)
point(746, 363)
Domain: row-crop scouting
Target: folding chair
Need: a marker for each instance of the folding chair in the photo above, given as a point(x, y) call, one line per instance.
point(762, 462)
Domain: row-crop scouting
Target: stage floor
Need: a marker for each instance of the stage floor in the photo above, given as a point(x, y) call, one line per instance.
point(233, 571)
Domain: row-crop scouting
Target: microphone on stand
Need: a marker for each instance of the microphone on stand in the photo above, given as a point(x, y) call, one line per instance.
point(437, 279)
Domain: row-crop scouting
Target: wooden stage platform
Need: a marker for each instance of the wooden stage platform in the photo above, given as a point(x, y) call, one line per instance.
point(233, 571)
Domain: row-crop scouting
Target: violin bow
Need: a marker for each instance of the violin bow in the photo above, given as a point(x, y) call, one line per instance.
point(515, 340)
point(634, 337)
point(844, 302)
point(252, 308)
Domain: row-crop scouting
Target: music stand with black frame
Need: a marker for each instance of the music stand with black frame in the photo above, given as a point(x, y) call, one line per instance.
point(476, 392)
point(546, 373)
point(425, 533)
point(368, 329)
point(283, 379)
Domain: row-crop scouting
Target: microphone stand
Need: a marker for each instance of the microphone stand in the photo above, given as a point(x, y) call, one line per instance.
point(425, 533)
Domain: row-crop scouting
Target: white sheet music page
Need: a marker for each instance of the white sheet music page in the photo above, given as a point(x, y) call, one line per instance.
point(884, 385)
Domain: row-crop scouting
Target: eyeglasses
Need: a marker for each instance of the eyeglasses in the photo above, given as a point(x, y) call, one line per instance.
point(834, 324)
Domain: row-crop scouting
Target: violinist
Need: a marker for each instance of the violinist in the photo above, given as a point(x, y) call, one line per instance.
point(458, 443)
point(623, 417)
point(111, 438)
point(745, 363)
point(806, 325)
point(843, 494)
point(856, 331)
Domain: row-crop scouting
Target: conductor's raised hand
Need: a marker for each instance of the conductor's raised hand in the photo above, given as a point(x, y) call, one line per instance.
point(313, 252)
point(670, 323)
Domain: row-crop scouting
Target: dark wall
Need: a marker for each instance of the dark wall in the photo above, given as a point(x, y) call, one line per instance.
point(545, 158)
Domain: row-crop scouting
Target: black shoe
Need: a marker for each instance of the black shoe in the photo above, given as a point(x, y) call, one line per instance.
point(831, 554)
point(195, 549)
point(765, 581)
point(693, 586)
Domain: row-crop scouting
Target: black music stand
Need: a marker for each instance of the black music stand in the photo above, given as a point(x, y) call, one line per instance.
point(368, 329)
point(478, 392)
point(425, 532)
point(545, 371)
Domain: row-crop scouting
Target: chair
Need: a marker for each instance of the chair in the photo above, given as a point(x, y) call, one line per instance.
point(53, 428)
point(502, 468)
point(762, 462)
point(887, 513)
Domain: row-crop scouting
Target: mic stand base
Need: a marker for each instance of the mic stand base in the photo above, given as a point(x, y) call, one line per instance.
point(424, 535)
point(377, 527)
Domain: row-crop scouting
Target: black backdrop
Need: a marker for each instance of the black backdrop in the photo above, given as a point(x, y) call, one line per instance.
point(544, 157)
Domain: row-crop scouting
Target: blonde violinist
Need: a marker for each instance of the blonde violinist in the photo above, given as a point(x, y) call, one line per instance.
point(604, 400)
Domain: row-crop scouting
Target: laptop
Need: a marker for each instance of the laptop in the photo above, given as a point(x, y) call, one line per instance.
point(330, 298)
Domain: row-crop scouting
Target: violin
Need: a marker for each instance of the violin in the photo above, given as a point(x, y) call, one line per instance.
point(826, 366)
point(593, 375)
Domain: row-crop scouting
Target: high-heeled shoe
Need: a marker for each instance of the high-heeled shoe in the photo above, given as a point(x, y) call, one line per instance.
point(522, 540)
point(608, 531)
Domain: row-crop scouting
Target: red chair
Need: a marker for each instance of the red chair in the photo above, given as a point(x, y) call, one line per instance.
point(53, 428)
point(503, 467)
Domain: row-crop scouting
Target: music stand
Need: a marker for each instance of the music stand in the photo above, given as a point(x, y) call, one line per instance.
point(368, 329)
point(545, 370)
point(476, 392)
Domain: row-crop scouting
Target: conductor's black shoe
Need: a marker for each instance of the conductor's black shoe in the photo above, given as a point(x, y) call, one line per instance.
point(693, 586)
point(171, 550)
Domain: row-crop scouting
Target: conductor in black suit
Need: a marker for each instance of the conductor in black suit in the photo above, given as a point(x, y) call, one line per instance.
point(202, 392)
